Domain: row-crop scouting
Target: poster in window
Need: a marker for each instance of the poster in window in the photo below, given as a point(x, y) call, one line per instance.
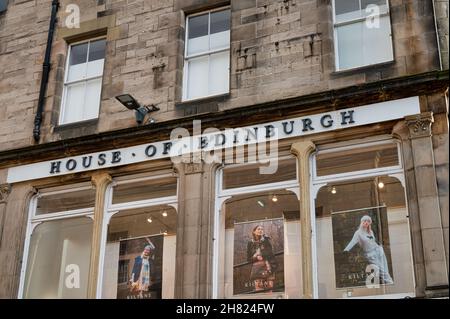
point(258, 261)
point(362, 255)
point(140, 268)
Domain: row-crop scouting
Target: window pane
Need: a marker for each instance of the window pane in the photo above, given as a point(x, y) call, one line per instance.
point(92, 99)
point(377, 45)
point(73, 104)
point(347, 10)
point(249, 175)
point(198, 26)
point(220, 21)
point(219, 66)
point(197, 83)
point(363, 245)
point(97, 50)
point(78, 54)
point(357, 159)
point(220, 40)
point(366, 3)
point(154, 188)
point(140, 238)
point(350, 45)
point(77, 72)
point(65, 201)
point(95, 68)
point(198, 39)
point(58, 259)
point(260, 246)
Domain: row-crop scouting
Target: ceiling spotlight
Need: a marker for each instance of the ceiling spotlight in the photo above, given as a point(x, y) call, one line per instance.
point(380, 185)
point(141, 111)
point(260, 203)
point(164, 214)
point(333, 190)
point(149, 220)
point(164, 232)
point(274, 198)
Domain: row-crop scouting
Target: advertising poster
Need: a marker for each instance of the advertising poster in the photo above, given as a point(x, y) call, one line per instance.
point(362, 256)
point(140, 268)
point(258, 261)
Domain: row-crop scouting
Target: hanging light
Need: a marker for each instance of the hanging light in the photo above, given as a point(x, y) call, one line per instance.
point(380, 185)
point(164, 232)
point(149, 220)
point(164, 214)
point(274, 198)
point(333, 190)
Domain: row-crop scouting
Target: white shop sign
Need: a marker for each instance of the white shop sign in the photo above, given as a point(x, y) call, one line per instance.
point(294, 127)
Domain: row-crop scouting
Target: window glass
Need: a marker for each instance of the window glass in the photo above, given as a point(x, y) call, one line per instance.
point(350, 160)
point(249, 175)
point(260, 246)
point(61, 202)
point(147, 189)
point(58, 259)
point(207, 57)
point(78, 54)
point(220, 21)
point(363, 242)
point(97, 50)
point(140, 254)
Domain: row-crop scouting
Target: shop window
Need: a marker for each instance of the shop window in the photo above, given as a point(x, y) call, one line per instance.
point(362, 235)
point(207, 54)
point(259, 251)
point(140, 248)
point(348, 160)
point(362, 33)
point(147, 189)
point(249, 175)
point(57, 251)
point(83, 81)
point(65, 201)
point(142, 264)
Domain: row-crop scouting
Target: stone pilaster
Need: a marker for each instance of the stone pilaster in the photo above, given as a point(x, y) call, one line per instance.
point(15, 217)
point(424, 203)
point(195, 227)
point(101, 180)
point(5, 189)
point(303, 150)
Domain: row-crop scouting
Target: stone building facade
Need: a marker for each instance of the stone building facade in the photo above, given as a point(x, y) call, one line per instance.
point(284, 64)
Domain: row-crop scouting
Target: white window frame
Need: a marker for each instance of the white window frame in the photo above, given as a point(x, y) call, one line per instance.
point(353, 21)
point(112, 209)
point(188, 57)
point(222, 195)
point(35, 220)
point(67, 83)
point(316, 183)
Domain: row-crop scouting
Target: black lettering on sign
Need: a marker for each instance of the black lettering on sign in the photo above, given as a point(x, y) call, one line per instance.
point(55, 167)
point(307, 125)
point(167, 147)
point(291, 129)
point(116, 157)
point(87, 160)
point(150, 151)
point(348, 117)
point(269, 131)
point(101, 159)
point(327, 118)
point(71, 164)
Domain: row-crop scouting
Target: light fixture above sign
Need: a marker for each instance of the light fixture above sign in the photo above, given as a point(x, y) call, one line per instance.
point(141, 111)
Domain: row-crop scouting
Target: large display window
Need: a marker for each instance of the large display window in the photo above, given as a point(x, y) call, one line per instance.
point(140, 238)
point(258, 227)
point(58, 243)
point(362, 237)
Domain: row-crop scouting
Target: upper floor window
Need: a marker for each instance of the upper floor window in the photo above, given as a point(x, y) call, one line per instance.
point(3, 5)
point(207, 55)
point(362, 33)
point(83, 81)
